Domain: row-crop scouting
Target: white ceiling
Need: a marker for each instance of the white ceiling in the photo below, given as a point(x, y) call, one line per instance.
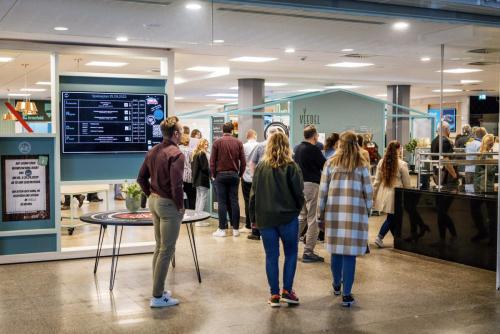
point(247, 31)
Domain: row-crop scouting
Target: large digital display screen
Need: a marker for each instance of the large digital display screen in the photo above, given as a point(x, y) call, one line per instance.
point(94, 122)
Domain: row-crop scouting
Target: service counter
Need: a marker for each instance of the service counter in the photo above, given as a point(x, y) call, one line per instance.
point(456, 226)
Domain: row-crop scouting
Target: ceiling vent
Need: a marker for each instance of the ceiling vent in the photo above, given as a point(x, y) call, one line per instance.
point(357, 55)
point(483, 63)
point(299, 16)
point(484, 50)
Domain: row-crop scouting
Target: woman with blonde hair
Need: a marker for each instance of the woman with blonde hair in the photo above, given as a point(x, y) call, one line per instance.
point(200, 169)
point(345, 199)
point(391, 172)
point(276, 198)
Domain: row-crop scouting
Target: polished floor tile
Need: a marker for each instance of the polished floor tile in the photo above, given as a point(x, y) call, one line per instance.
point(396, 292)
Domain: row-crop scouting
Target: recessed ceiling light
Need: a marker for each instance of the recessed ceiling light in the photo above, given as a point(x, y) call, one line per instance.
point(425, 59)
point(253, 59)
point(193, 6)
point(218, 41)
point(400, 25)
point(447, 90)
point(122, 39)
point(207, 69)
point(106, 64)
point(178, 98)
point(5, 59)
point(234, 88)
point(465, 81)
point(226, 100)
point(461, 70)
point(381, 95)
point(223, 95)
point(61, 28)
point(44, 83)
point(20, 94)
point(347, 50)
point(275, 84)
point(348, 64)
point(342, 87)
point(212, 105)
point(32, 89)
point(178, 81)
point(289, 50)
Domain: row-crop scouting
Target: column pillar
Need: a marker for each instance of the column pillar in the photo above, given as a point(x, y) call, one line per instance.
point(398, 128)
point(167, 69)
point(251, 93)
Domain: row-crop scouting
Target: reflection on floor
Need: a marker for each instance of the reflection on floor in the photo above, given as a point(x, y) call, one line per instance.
point(396, 293)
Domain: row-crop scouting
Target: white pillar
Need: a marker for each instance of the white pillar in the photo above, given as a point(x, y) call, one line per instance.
point(55, 117)
point(167, 68)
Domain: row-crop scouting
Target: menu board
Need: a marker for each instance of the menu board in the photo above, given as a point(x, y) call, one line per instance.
point(25, 188)
point(94, 122)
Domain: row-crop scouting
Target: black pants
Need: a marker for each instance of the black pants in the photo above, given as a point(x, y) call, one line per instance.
point(245, 188)
point(191, 195)
point(227, 188)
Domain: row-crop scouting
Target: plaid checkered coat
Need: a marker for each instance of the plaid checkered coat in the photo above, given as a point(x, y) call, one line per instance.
point(344, 201)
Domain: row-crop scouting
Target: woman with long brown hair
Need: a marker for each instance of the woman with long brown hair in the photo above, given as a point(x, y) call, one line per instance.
point(276, 198)
point(345, 199)
point(391, 172)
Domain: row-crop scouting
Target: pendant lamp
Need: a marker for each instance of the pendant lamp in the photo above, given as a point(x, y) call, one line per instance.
point(26, 107)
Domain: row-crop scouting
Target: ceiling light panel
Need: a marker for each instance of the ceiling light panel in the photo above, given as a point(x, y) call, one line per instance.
point(447, 90)
point(208, 69)
point(19, 94)
point(249, 59)
point(401, 26)
point(465, 81)
point(193, 6)
point(106, 64)
point(223, 95)
point(275, 84)
point(342, 87)
point(348, 64)
point(32, 89)
point(43, 83)
point(461, 70)
point(6, 59)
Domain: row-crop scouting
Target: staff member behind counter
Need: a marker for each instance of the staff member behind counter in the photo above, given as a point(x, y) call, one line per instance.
point(449, 177)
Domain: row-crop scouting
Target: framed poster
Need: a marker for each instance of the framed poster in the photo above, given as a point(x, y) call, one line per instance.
point(450, 116)
point(25, 187)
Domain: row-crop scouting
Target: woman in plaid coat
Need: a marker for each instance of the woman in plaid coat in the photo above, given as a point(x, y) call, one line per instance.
point(345, 199)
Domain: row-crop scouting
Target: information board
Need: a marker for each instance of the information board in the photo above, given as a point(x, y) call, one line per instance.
point(94, 122)
point(25, 187)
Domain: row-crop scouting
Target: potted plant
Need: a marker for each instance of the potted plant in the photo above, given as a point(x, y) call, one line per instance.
point(133, 198)
point(410, 148)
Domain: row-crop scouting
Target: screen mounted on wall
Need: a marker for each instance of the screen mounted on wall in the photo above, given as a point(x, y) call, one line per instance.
point(95, 122)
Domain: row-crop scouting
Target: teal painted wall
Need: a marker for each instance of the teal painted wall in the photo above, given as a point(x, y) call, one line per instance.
point(337, 112)
point(106, 166)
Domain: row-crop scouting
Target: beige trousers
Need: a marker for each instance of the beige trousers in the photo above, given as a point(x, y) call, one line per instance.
point(167, 222)
point(308, 216)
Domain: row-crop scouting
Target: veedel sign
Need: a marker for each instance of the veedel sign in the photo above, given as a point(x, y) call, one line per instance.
point(308, 119)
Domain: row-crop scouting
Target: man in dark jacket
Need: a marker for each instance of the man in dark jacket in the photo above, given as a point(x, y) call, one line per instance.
point(311, 161)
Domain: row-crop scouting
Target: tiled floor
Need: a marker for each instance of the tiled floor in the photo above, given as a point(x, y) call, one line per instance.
point(396, 293)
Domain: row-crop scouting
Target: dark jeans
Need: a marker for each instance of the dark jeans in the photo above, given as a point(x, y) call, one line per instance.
point(227, 187)
point(245, 189)
point(190, 194)
point(343, 269)
point(387, 226)
point(288, 233)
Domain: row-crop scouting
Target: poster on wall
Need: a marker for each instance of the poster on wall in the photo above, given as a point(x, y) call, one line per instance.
point(217, 123)
point(25, 188)
point(449, 116)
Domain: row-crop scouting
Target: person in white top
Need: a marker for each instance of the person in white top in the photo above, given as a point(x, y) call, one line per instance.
point(246, 179)
point(391, 172)
point(473, 146)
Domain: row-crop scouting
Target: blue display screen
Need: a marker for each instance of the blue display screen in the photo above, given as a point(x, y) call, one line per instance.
point(95, 122)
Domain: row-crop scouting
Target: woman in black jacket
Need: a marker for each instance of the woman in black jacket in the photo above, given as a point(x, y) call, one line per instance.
point(201, 176)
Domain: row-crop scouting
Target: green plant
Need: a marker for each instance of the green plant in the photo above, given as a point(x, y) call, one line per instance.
point(411, 146)
point(132, 190)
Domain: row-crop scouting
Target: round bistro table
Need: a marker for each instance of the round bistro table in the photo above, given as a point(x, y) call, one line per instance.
point(121, 218)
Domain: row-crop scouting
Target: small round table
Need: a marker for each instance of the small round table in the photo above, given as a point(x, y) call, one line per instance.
point(122, 218)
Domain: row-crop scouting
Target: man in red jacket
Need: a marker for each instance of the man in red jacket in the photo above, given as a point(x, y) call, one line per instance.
point(160, 178)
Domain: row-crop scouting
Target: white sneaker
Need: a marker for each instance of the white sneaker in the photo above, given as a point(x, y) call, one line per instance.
point(379, 242)
point(163, 302)
point(202, 224)
point(236, 233)
point(219, 233)
point(167, 294)
point(245, 230)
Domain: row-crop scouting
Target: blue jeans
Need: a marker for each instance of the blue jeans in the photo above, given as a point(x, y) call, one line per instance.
point(343, 269)
point(288, 233)
point(226, 184)
point(387, 226)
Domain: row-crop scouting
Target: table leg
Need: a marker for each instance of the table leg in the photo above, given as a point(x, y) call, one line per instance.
point(102, 232)
point(192, 242)
point(114, 257)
